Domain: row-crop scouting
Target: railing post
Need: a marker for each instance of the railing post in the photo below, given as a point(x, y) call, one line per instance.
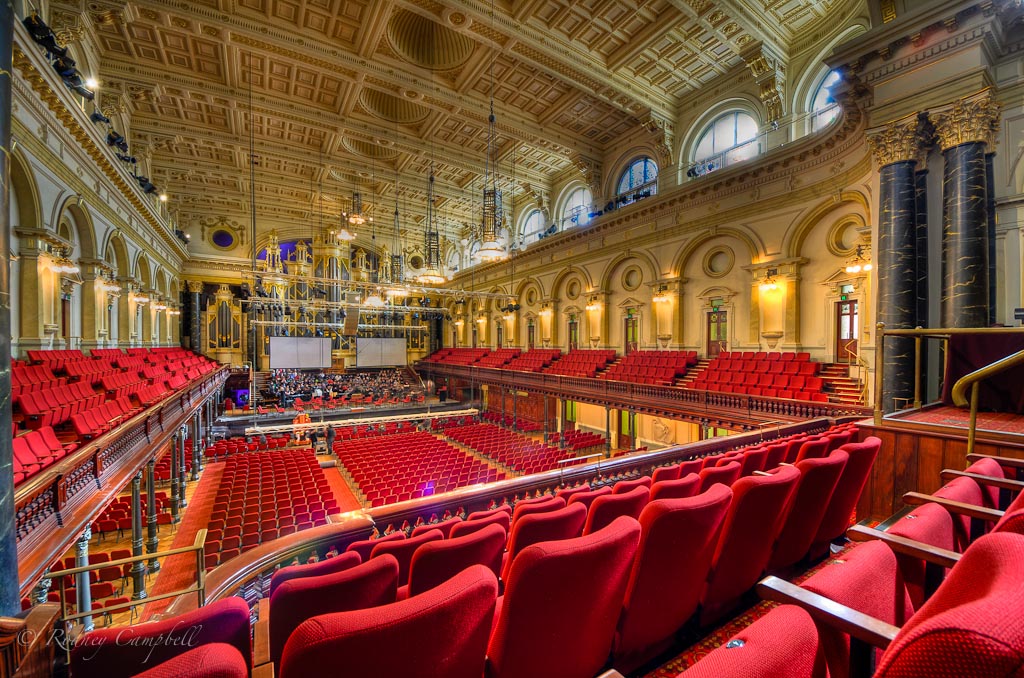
point(972, 430)
point(607, 431)
point(153, 543)
point(82, 591)
point(139, 566)
point(182, 476)
point(879, 370)
point(917, 369)
point(196, 444)
point(174, 478)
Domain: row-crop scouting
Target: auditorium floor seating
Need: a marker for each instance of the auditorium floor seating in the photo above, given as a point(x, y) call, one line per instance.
point(514, 451)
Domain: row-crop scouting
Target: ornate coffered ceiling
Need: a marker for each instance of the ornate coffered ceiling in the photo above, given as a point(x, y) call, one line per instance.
point(350, 92)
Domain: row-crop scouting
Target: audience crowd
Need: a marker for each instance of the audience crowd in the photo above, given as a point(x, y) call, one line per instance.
point(286, 385)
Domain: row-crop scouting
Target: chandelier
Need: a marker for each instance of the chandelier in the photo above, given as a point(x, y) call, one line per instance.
point(490, 227)
point(355, 217)
point(431, 274)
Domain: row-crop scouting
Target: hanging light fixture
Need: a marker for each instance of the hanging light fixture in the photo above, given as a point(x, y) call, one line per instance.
point(355, 215)
point(769, 282)
point(490, 248)
point(62, 263)
point(858, 262)
point(431, 274)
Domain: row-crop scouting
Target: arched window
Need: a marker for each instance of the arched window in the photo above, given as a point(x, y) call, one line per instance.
point(577, 208)
point(640, 180)
point(824, 108)
point(534, 224)
point(728, 139)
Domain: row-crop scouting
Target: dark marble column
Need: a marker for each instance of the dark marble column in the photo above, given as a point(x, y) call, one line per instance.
point(965, 237)
point(607, 431)
point(9, 602)
point(990, 207)
point(921, 179)
point(195, 324)
point(153, 540)
point(196, 445)
point(139, 566)
point(897, 275)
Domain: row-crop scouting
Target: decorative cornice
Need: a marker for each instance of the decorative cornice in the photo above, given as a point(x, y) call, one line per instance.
point(971, 119)
point(899, 141)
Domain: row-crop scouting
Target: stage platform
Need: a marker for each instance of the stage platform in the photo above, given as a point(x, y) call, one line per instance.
point(959, 418)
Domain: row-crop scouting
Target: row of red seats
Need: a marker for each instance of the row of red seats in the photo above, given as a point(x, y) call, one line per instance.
point(580, 363)
point(122, 383)
point(96, 421)
point(806, 368)
point(33, 377)
point(55, 359)
point(578, 440)
point(457, 356)
point(518, 452)
point(54, 406)
point(498, 357)
point(37, 450)
point(534, 360)
point(226, 447)
point(651, 367)
point(786, 356)
point(771, 386)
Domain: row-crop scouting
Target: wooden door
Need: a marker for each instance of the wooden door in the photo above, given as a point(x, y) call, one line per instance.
point(632, 334)
point(718, 333)
point(847, 327)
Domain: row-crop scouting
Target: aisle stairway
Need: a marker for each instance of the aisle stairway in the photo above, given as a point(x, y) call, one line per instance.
point(840, 386)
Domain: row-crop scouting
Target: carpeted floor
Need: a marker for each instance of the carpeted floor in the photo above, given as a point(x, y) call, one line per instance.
point(999, 422)
point(179, 572)
point(346, 500)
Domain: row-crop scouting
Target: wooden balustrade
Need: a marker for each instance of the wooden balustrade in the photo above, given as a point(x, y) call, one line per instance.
point(54, 507)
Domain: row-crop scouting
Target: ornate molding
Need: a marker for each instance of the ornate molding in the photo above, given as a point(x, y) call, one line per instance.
point(769, 70)
point(898, 141)
point(971, 119)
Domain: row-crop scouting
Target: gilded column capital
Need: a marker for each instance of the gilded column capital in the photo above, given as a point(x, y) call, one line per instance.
point(971, 119)
point(194, 286)
point(898, 141)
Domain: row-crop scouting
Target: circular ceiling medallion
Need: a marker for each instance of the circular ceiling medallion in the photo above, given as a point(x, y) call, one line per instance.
point(425, 43)
point(222, 239)
point(391, 108)
point(368, 150)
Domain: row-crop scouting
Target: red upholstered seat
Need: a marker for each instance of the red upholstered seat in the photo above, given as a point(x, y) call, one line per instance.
point(727, 475)
point(126, 651)
point(818, 479)
point(680, 488)
point(677, 544)
point(365, 547)
point(445, 526)
point(215, 660)
point(588, 498)
point(502, 518)
point(755, 518)
point(486, 515)
point(565, 523)
point(403, 550)
point(781, 644)
point(665, 473)
point(442, 632)
point(567, 493)
point(438, 561)
point(624, 486)
point(343, 561)
point(607, 508)
point(541, 505)
point(562, 601)
point(931, 524)
point(812, 449)
point(369, 584)
point(847, 493)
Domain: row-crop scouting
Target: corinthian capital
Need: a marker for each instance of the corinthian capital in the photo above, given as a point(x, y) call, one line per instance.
point(194, 286)
point(897, 141)
point(974, 118)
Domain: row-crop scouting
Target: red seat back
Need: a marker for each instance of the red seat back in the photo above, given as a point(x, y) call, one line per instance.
point(365, 547)
point(565, 523)
point(847, 493)
point(403, 550)
point(818, 480)
point(438, 561)
point(686, 486)
point(214, 660)
point(343, 561)
point(606, 509)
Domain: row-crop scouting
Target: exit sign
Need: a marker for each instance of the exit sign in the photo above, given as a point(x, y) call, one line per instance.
point(842, 297)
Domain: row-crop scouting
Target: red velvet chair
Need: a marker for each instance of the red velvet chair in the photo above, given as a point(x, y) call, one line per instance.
point(121, 652)
point(663, 473)
point(445, 526)
point(727, 475)
point(215, 660)
point(812, 449)
point(485, 515)
point(624, 486)
point(847, 493)
point(755, 518)
point(680, 488)
point(438, 561)
point(342, 561)
point(567, 493)
point(588, 498)
point(566, 523)
point(607, 508)
point(371, 584)
point(677, 543)
point(441, 632)
point(818, 479)
point(781, 644)
point(541, 505)
point(365, 547)
point(403, 550)
point(502, 518)
point(561, 603)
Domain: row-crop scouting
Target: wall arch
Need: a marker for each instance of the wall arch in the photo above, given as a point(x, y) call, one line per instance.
point(793, 241)
point(566, 273)
point(28, 213)
point(143, 271)
point(77, 214)
point(651, 271)
point(116, 255)
point(755, 247)
point(688, 141)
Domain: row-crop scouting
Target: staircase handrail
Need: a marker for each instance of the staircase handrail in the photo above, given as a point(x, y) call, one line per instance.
point(973, 381)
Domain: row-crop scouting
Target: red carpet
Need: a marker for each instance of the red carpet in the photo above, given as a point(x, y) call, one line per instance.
point(997, 422)
point(346, 500)
point(179, 572)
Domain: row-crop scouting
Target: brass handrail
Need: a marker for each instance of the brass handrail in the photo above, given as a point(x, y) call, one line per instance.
point(861, 365)
point(973, 380)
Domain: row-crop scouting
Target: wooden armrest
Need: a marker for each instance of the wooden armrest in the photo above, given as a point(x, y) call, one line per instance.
point(845, 619)
point(1002, 483)
point(611, 673)
point(261, 635)
point(908, 547)
point(263, 671)
point(959, 507)
point(1003, 461)
point(760, 473)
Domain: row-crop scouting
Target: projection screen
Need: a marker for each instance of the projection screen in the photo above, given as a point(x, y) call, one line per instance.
point(380, 352)
point(299, 353)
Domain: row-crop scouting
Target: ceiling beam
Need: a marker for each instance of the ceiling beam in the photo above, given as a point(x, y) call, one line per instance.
point(666, 22)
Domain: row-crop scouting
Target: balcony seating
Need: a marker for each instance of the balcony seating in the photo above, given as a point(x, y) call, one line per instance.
point(498, 358)
point(534, 360)
point(213, 660)
point(606, 509)
point(784, 375)
point(126, 651)
point(543, 504)
point(436, 562)
point(548, 586)
point(580, 363)
point(755, 517)
point(847, 493)
point(624, 486)
point(726, 474)
point(660, 368)
point(370, 584)
point(402, 551)
point(457, 356)
point(518, 452)
point(588, 498)
point(681, 488)
point(677, 543)
point(445, 526)
point(564, 523)
point(340, 562)
point(671, 472)
point(365, 547)
point(443, 631)
point(502, 518)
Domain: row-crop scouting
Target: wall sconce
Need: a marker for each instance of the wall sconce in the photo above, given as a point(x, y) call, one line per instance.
point(859, 262)
point(459, 322)
point(160, 306)
point(62, 263)
point(139, 299)
point(481, 319)
point(594, 304)
point(173, 311)
point(661, 296)
point(769, 283)
point(545, 312)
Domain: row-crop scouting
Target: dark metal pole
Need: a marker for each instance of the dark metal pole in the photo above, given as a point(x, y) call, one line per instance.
point(153, 543)
point(83, 592)
point(183, 478)
point(196, 446)
point(607, 431)
point(139, 566)
point(175, 508)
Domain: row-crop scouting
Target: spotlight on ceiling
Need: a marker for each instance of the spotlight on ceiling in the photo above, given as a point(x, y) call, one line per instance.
point(92, 83)
point(98, 117)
